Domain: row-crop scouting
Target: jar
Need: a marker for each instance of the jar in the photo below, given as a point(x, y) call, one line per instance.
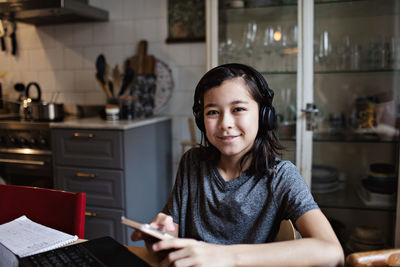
point(112, 112)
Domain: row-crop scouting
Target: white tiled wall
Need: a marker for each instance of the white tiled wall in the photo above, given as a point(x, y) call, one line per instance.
point(61, 58)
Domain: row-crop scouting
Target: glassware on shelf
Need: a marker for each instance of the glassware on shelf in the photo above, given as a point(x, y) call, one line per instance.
point(379, 54)
point(291, 48)
point(356, 57)
point(283, 43)
point(266, 54)
point(248, 47)
point(286, 108)
point(344, 50)
point(395, 54)
point(268, 40)
point(227, 51)
point(324, 51)
point(385, 55)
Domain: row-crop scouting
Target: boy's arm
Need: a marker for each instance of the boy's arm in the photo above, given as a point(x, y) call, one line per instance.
point(318, 247)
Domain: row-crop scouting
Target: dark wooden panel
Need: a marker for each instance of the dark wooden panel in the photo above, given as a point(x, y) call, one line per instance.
point(104, 222)
point(88, 148)
point(103, 188)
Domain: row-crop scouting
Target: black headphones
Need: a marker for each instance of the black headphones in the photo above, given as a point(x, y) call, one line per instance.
point(267, 117)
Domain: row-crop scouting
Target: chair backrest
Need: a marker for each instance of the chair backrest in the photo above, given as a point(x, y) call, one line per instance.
point(385, 257)
point(192, 142)
point(286, 231)
point(61, 210)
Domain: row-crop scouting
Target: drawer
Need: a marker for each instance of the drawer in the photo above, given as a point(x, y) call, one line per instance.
point(88, 148)
point(103, 188)
point(101, 222)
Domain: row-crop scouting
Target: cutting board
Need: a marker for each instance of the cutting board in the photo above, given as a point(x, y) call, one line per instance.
point(142, 63)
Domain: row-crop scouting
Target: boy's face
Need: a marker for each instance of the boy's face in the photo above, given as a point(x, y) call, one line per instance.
point(231, 118)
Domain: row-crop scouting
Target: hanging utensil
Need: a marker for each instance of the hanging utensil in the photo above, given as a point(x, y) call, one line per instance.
point(127, 81)
point(100, 67)
point(101, 75)
point(107, 83)
point(13, 36)
point(116, 75)
point(3, 32)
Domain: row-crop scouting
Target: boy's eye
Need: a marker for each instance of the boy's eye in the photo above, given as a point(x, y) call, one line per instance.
point(238, 109)
point(211, 112)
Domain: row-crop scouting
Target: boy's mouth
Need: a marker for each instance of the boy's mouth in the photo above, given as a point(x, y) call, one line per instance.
point(228, 138)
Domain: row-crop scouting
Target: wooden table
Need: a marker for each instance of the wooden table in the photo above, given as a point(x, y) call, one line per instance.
point(142, 253)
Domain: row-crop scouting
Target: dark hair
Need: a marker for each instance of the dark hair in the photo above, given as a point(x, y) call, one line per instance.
point(266, 146)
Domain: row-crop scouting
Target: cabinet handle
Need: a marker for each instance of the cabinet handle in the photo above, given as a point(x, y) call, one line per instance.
point(84, 135)
point(91, 214)
point(311, 111)
point(24, 162)
point(86, 175)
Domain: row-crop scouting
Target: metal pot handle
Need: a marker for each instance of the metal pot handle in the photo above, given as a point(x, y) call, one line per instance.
point(39, 91)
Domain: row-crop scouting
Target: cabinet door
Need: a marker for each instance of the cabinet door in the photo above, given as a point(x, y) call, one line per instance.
point(103, 188)
point(274, 37)
point(356, 137)
point(88, 148)
point(338, 85)
point(101, 222)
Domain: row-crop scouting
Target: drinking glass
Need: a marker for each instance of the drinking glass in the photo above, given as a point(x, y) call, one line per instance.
point(227, 51)
point(345, 53)
point(324, 50)
point(267, 48)
point(356, 57)
point(249, 42)
point(268, 40)
point(288, 47)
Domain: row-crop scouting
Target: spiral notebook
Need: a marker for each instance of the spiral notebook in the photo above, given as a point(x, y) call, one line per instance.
point(24, 237)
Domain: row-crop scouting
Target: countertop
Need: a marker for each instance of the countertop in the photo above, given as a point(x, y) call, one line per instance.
point(99, 123)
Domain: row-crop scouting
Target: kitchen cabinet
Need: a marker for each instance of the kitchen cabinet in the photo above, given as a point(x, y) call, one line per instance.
point(124, 168)
point(335, 70)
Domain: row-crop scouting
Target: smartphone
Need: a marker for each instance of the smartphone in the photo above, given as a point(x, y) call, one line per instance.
point(146, 228)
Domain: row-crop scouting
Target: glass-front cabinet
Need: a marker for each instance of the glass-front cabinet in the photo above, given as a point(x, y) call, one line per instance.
point(335, 70)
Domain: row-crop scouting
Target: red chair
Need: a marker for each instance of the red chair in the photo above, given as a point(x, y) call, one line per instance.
point(61, 210)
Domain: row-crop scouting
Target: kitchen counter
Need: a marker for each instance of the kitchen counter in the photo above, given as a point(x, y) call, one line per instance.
point(123, 166)
point(99, 123)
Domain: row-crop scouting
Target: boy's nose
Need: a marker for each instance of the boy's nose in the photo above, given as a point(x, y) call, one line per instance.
point(226, 121)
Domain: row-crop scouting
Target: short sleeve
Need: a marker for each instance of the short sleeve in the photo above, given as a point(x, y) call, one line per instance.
point(173, 206)
point(292, 194)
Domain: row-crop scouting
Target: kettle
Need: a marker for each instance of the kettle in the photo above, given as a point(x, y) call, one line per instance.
point(26, 101)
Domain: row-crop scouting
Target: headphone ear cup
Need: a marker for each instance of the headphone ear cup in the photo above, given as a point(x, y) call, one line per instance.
point(271, 118)
point(267, 119)
point(262, 125)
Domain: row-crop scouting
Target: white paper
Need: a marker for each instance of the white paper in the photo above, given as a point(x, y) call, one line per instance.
point(25, 237)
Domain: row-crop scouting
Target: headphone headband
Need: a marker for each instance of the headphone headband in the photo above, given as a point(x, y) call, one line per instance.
point(267, 117)
point(268, 93)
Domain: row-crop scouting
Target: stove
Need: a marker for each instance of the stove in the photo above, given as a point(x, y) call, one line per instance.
point(25, 153)
point(25, 134)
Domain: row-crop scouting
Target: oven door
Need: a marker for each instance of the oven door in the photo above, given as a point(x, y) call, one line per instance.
point(26, 167)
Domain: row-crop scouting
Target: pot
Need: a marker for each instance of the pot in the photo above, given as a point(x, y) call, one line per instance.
point(37, 110)
point(46, 111)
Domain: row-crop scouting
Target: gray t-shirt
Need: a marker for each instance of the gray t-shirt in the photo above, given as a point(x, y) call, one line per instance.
point(244, 210)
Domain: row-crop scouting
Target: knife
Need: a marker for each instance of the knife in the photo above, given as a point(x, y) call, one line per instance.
point(13, 37)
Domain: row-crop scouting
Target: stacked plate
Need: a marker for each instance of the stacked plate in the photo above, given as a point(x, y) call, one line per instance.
point(325, 179)
point(379, 188)
point(365, 238)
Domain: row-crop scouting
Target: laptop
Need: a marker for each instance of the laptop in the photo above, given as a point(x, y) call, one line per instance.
point(104, 251)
